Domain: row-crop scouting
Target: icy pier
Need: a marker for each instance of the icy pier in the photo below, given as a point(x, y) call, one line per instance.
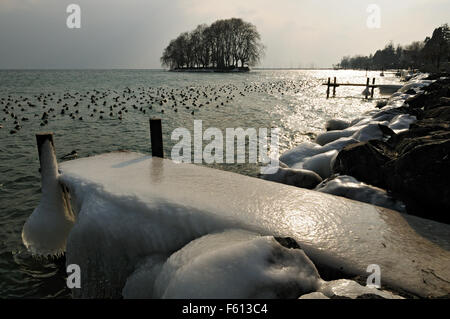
point(133, 211)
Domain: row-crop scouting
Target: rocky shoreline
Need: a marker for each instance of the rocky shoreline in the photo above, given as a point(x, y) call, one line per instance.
point(414, 165)
point(396, 157)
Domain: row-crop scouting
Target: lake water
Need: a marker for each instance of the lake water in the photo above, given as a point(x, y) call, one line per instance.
point(292, 100)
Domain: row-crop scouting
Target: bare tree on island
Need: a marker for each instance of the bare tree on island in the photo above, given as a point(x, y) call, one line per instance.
point(224, 45)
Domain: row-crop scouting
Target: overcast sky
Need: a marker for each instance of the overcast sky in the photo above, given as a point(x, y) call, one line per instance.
point(133, 33)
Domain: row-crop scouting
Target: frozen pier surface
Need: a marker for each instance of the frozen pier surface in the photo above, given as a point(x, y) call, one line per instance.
point(131, 207)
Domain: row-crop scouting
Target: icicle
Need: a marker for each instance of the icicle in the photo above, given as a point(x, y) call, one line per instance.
point(46, 230)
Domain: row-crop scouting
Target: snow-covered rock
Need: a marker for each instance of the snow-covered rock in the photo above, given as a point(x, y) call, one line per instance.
point(350, 187)
point(294, 177)
point(233, 264)
point(351, 289)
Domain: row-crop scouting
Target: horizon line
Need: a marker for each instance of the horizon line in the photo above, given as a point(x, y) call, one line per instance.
point(149, 69)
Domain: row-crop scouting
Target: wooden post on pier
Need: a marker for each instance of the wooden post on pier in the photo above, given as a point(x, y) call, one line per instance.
point(328, 88)
point(156, 137)
point(40, 140)
point(47, 156)
point(334, 87)
point(373, 88)
point(367, 88)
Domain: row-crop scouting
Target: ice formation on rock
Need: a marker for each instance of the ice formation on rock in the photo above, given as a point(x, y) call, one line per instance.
point(350, 187)
point(295, 177)
point(230, 264)
point(351, 289)
point(46, 230)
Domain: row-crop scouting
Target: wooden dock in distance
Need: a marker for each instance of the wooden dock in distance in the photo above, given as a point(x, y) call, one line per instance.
point(334, 85)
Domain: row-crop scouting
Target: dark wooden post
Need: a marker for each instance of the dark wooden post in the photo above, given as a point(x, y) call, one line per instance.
point(47, 156)
point(156, 137)
point(334, 87)
point(373, 88)
point(328, 88)
point(367, 88)
point(40, 140)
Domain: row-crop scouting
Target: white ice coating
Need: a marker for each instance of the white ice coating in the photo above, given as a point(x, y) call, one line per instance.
point(351, 289)
point(294, 177)
point(46, 230)
point(344, 288)
point(300, 152)
point(227, 265)
point(135, 211)
point(350, 187)
point(336, 124)
point(314, 295)
point(401, 122)
point(322, 163)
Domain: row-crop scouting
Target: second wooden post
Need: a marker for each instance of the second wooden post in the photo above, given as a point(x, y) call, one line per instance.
point(156, 137)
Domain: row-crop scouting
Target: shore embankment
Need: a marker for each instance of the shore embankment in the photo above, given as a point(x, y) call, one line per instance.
point(413, 165)
point(395, 156)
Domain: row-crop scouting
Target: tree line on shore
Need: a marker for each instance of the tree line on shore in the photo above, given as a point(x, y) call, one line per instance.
point(428, 55)
point(225, 44)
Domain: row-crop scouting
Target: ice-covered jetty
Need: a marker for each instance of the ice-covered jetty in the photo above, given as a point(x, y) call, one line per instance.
point(132, 212)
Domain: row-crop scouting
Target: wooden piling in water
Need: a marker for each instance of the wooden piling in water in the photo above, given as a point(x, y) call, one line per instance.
point(328, 88)
point(334, 87)
point(45, 166)
point(40, 140)
point(47, 157)
point(156, 137)
point(367, 88)
point(373, 88)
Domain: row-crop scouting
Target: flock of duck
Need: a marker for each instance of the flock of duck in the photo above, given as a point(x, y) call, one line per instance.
point(112, 104)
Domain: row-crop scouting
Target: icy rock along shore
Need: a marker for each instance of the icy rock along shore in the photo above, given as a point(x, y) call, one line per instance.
point(46, 230)
point(413, 165)
point(238, 264)
point(318, 158)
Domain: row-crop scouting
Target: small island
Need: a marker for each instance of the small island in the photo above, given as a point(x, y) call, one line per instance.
point(230, 45)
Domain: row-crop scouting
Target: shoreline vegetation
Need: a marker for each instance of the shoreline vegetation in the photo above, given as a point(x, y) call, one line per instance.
point(430, 55)
point(231, 45)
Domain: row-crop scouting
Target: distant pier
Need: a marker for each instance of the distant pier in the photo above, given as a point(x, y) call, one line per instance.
point(334, 85)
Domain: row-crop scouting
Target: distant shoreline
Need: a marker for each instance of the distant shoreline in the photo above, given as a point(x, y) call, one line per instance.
point(161, 69)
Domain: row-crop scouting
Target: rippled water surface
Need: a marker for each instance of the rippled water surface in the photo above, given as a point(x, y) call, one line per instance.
point(294, 101)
